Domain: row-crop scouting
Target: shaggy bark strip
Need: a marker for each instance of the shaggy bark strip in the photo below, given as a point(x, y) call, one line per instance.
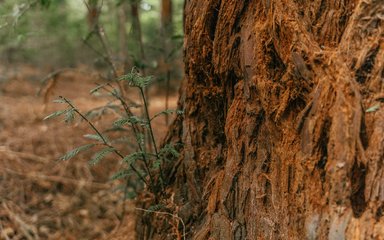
point(283, 129)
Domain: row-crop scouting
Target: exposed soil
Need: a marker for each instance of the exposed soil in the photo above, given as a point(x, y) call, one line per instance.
point(41, 197)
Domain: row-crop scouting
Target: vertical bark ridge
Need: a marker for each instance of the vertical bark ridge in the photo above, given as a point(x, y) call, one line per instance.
point(276, 94)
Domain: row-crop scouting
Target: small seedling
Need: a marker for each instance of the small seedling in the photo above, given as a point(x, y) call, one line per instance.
point(141, 166)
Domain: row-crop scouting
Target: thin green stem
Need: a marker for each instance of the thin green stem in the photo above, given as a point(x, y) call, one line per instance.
point(152, 135)
point(148, 119)
point(136, 133)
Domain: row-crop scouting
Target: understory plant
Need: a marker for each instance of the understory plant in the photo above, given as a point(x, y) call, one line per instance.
point(143, 166)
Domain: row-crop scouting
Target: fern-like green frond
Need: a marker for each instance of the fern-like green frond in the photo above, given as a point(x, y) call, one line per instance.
point(133, 157)
point(56, 114)
point(140, 138)
point(76, 151)
point(129, 120)
point(165, 112)
point(156, 164)
point(169, 149)
point(70, 116)
point(60, 100)
point(100, 111)
point(97, 88)
point(121, 174)
point(134, 79)
point(100, 155)
point(95, 137)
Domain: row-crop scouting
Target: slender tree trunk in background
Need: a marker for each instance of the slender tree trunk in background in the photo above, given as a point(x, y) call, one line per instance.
point(123, 36)
point(166, 16)
point(136, 25)
point(278, 142)
point(166, 33)
point(93, 14)
point(167, 93)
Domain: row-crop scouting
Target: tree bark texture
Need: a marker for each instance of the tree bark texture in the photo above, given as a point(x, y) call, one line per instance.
point(277, 139)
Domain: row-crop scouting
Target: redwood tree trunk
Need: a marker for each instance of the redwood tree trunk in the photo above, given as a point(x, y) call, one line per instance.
point(277, 139)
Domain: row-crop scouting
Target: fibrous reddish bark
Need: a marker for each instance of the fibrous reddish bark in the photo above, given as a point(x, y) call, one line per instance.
point(278, 143)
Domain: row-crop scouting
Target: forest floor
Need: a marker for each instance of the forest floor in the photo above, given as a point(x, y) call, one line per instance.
point(40, 196)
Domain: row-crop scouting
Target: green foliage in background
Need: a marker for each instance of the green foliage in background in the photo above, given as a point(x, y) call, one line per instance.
point(40, 33)
point(34, 31)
